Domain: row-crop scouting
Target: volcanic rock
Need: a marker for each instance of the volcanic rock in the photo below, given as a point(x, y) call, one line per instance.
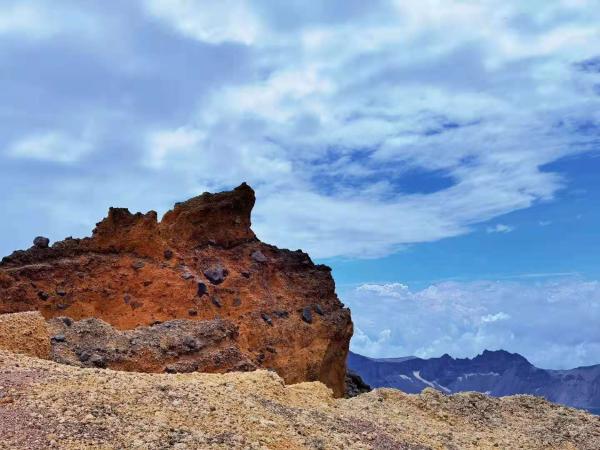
point(216, 274)
point(208, 231)
point(41, 242)
point(173, 346)
point(355, 385)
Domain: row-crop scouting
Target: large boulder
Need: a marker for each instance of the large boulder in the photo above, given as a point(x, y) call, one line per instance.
point(201, 262)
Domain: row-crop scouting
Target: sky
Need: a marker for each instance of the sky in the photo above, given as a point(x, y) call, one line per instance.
point(443, 157)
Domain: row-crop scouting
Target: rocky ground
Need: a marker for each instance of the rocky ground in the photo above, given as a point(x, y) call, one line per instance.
point(48, 405)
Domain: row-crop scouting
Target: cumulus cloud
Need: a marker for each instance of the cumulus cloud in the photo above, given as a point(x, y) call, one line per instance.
point(552, 323)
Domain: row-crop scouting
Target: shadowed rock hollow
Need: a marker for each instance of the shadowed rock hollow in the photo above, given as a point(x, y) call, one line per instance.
point(202, 262)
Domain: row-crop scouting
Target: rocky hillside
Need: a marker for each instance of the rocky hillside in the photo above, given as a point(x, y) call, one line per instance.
point(495, 373)
point(229, 301)
point(48, 405)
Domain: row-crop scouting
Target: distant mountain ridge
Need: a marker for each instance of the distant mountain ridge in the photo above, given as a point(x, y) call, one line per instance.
point(496, 373)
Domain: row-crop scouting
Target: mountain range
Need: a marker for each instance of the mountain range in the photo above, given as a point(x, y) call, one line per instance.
point(497, 373)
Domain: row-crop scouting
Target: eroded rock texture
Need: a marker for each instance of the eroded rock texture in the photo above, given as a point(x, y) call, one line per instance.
point(202, 262)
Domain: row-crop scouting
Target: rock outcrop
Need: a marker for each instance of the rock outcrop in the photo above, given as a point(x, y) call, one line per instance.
point(200, 263)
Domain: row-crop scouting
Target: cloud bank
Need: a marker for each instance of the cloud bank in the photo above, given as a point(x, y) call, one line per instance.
point(552, 323)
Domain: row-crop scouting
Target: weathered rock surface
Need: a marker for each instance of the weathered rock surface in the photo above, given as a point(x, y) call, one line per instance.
point(201, 262)
point(47, 405)
point(174, 346)
point(355, 385)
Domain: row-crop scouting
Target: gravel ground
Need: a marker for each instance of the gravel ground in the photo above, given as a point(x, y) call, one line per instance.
point(47, 405)
point(25, 332)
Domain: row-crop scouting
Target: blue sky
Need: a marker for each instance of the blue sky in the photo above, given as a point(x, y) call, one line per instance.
point(441, 156)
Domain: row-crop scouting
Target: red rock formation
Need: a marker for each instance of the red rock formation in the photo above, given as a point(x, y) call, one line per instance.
point(201, 262)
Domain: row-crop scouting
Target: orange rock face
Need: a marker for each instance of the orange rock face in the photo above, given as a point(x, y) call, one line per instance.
point(201, 262)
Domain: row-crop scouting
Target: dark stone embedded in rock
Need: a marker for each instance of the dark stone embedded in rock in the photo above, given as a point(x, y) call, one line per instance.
point(259, 256)
point(98, 360)
point(168, 254)
point(84, 355)
point(138, 265)
point(191, 343)
point(41, 242)
point(216, 274)
point(202, 289)
point(266, 318)
point(58, 338)
point(192, 312)
point(245, 274)
point(43, 295)
point(307, 315)
point(216, 301)
point(281, 314)
point(319, 310)
point(61, 292)
point(67, 321)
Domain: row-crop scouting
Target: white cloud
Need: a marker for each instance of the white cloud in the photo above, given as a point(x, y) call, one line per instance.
point(500, 228)
point(556, 326)
point(495, 317)
point(212, 22)
point(40, 20)
point(164, 144)
point(53, 146)
point(328, 112)
point(346, 109)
